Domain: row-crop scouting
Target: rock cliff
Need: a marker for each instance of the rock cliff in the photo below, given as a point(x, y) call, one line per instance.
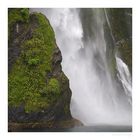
point(38, 90)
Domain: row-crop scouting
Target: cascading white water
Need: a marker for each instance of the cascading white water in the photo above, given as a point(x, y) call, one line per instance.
point(95, 96)
point(124, 76)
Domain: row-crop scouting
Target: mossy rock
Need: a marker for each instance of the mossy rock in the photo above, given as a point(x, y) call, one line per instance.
point(28, 74)
point(16, 15)
point(53, 87)
point(38, 90)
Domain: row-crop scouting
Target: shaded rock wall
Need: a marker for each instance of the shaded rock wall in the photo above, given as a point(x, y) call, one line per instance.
point(121, 24)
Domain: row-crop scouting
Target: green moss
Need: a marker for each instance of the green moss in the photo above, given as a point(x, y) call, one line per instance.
point(47, 31)
point(36, 103)
point(24, 14)
point(53, 87)
point(33, 61)
point(28, 75)
point(17, 15)
point(51, 91)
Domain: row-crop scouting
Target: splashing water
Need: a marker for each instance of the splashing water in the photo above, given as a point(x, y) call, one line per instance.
point(96, 97)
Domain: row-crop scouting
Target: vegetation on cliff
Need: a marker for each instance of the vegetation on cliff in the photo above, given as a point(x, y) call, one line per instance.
point(33, 83)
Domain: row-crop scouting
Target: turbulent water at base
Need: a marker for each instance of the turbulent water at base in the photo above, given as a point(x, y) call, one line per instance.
point(96, 96)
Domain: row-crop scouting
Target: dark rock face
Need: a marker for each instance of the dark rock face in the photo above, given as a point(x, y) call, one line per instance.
point(121, 24)
point(14, 43)
point(48, 105)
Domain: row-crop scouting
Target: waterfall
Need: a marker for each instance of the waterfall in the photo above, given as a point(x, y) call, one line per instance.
point(125, 77)
point(123, 72)
point(96, 98)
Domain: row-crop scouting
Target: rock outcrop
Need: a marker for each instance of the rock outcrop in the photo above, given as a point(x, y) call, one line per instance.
point(38, 89)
